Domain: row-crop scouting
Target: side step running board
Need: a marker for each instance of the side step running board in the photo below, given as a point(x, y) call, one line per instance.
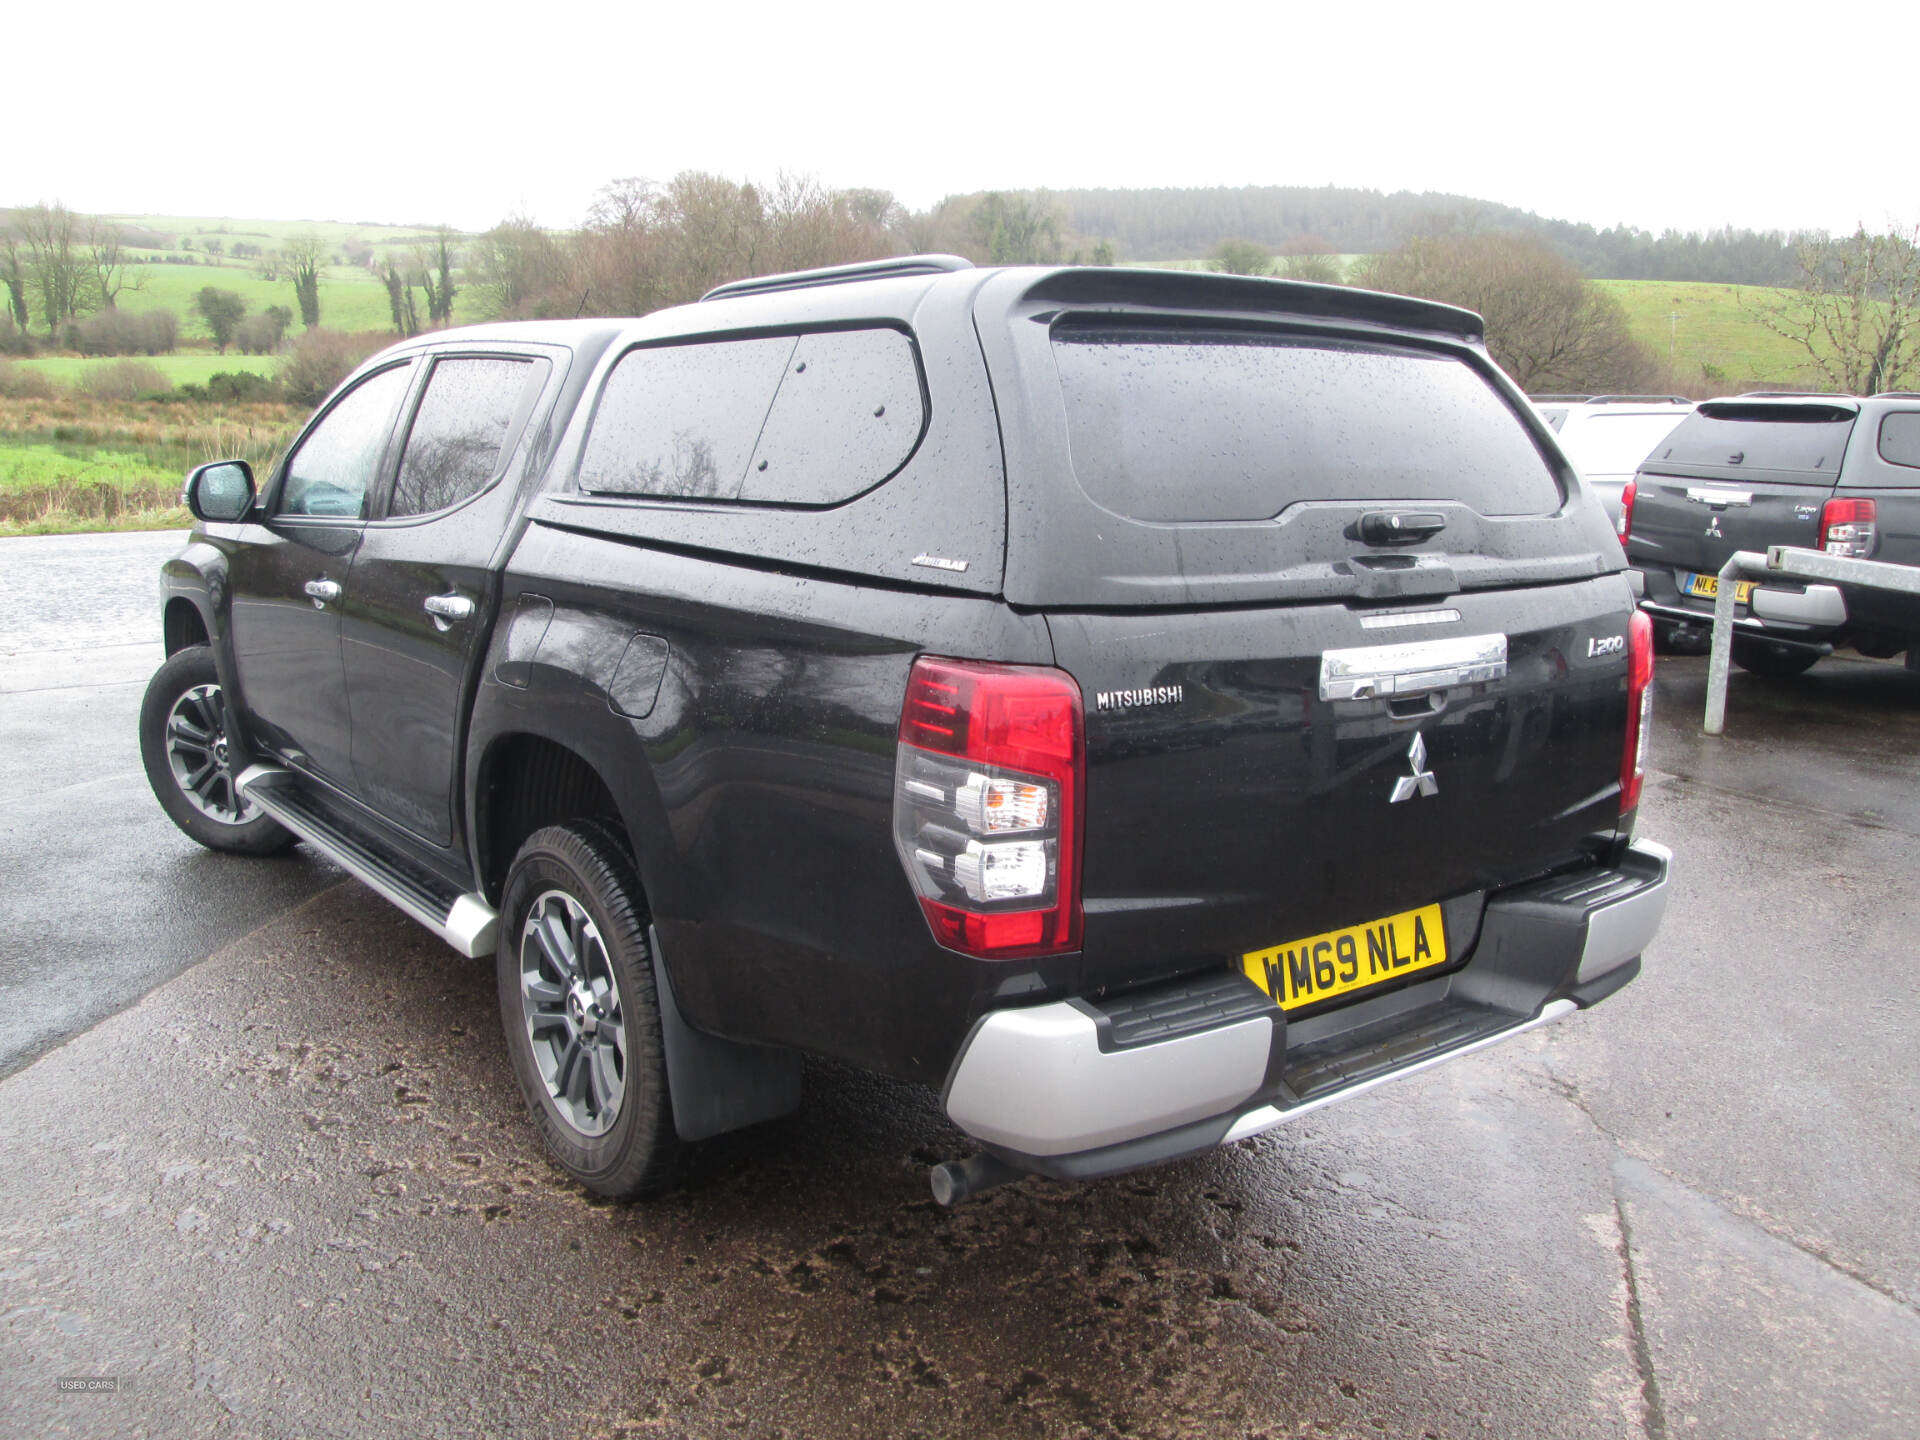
point(462, 919)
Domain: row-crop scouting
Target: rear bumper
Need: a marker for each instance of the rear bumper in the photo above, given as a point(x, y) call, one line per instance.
point(1079, 1088)
point(1804, 614)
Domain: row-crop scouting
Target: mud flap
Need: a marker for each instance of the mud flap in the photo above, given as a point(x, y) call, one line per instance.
point(719, 1085)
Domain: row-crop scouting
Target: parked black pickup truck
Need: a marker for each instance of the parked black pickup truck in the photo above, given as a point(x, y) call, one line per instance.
point(1146, 707)
point(1823, 472)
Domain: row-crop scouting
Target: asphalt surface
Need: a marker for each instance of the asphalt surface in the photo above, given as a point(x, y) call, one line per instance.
point(101, 898)
point(293, 1191)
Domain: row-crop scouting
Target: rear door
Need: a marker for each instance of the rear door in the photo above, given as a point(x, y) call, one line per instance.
point(422, 587)
point(1737, 475)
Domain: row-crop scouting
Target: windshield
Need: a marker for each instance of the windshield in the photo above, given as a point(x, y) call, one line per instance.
point(1184, 425)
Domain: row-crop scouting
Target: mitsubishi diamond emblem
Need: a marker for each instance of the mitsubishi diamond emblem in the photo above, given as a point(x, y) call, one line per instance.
point(1421, 781)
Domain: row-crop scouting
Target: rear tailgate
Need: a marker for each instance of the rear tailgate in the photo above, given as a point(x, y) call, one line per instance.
point(1736, 475)
point(1351, 635)
point(1235, 803)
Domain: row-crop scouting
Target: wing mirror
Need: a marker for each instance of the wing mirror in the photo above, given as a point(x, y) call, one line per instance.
point(221, 491)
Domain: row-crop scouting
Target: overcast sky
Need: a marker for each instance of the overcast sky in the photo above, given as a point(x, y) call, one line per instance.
point(1682, 115)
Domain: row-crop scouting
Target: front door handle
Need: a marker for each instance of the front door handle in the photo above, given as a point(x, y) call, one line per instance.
point(445, 609)
point(322, 591)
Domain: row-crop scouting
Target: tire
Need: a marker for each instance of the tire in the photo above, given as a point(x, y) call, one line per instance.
point(581, 1016)
point(183, 745)
point(1757, 657)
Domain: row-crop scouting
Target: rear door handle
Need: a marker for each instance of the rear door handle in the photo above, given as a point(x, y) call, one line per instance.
point(322, 591)
point(445, 609)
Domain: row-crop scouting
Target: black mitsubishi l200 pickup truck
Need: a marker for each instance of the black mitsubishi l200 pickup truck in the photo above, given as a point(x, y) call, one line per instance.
point(1144, 707)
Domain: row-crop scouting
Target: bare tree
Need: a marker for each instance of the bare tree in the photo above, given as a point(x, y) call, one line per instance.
point(1310, 258)
point(1856, 310)
point(1548, 326)
point(54, 260)
point(434, 262)
point(1016, 228)
point(15, 268)
point(1241, 257)
point(305, 254)
point(106, 254)
point(399, 283)
point(515, 264)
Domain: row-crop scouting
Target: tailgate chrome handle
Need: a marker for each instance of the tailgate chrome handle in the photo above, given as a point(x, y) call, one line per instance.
point(1400, 527)
point(322, 591)
point(1714, 495)
point(1371, 671)
point(445, 609)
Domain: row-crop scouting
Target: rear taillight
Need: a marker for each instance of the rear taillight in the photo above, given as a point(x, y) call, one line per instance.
point(989, 785)
point(1633, 755)
point(1625, 523)
point(1847, 528)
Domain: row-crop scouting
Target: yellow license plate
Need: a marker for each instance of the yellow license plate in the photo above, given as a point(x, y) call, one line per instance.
point(1708, 586)
point(1305, 972)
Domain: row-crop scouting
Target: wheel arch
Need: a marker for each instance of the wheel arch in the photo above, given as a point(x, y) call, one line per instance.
point(182, 625)
point(526, 781)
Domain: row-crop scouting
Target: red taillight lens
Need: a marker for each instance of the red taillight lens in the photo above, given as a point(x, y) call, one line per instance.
point(988, 786)
point(1633, 755)
point(1625, 523)
point(1847, 528)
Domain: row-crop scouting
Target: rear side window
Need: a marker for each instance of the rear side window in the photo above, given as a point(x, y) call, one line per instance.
point(1900, 438)
point(810, 419)
point(1196, 426)
point(1808, 438)
point(454, 448)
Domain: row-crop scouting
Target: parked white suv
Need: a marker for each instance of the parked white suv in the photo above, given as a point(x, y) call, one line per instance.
point(1607, 436)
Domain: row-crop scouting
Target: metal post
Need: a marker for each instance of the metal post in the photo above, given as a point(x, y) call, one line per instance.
point(1799, 564)
point(1721, 656)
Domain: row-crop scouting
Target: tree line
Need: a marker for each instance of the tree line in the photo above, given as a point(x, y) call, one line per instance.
point(1171, 224)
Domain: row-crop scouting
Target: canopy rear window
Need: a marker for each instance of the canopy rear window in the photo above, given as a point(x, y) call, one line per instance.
point(1806, 438)
point(1190, 425)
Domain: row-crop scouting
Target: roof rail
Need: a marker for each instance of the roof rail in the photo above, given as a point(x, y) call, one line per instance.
point(840, 275)
point(1558, 399)
point(1896, 394)
point(1638, 399)
point(1789, 395)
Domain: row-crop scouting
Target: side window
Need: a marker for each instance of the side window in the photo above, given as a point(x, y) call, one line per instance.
point(847, 416)
point(1900, 438)
point(454, 448)
point(680, 421)
point(330, 472)
point(810, 419)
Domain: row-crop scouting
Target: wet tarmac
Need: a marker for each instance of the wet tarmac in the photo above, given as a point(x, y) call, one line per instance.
point(293, 1190)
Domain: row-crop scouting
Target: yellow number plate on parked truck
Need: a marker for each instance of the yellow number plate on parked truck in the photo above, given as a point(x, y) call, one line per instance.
point(1305, 972)
point(1708, 586)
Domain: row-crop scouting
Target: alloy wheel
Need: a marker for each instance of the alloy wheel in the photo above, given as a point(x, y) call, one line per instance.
point(201, 757)
point(571, 1004)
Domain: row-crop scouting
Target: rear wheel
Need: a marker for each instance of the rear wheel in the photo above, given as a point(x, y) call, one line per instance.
point(578, 1005)
point(189, 759)
point(1757, 657)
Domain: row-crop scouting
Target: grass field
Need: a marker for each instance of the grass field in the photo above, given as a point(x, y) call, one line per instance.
point(1714, 329)
point(350, 299)
point(188, 369)
point(69, 463)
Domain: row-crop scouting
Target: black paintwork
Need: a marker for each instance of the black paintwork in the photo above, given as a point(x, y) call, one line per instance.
point(733, 674)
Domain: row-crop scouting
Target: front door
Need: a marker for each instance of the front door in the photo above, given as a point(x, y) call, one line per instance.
point(289, 573)
point(422, 586)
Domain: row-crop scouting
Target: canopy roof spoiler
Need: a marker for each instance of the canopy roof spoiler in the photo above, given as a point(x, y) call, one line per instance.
point(1188, 290)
